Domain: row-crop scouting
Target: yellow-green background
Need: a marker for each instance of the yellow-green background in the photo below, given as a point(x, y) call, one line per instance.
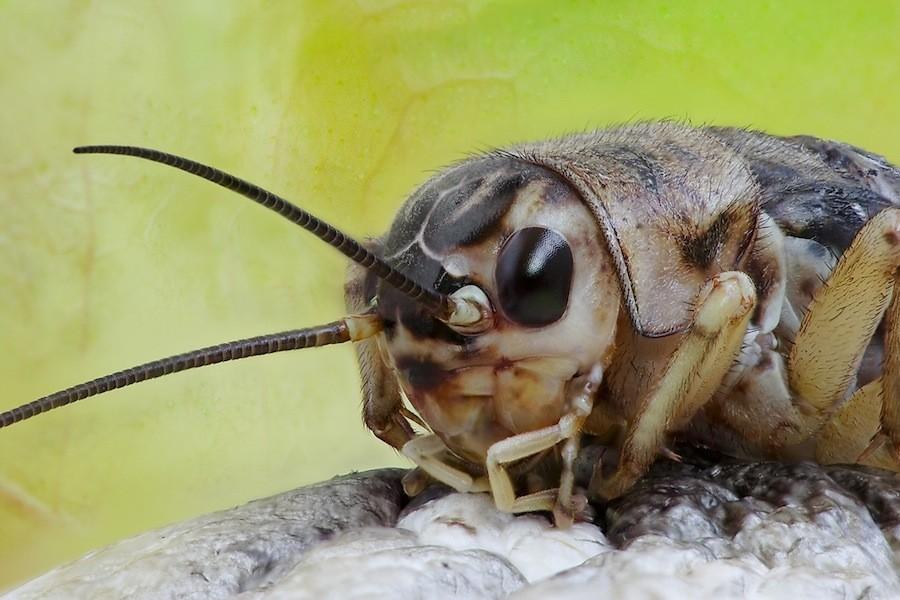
point(343, 106)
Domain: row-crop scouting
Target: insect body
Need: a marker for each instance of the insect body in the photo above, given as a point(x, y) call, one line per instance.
point(632, 284)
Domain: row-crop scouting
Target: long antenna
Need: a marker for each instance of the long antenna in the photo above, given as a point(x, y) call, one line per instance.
point(441, 306)
point(336, 332)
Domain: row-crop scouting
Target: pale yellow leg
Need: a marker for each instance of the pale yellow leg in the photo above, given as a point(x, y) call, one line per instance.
point(839, 326)
point(866, 429)
point(427, 452)
point(543, 501)
point(847, 434)
point(521, 446)
point(693, 374)
point(850, 436)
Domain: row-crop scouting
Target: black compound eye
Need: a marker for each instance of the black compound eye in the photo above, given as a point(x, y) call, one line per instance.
point(534, 276)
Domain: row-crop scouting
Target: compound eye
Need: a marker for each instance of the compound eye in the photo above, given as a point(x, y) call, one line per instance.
point(534, 276)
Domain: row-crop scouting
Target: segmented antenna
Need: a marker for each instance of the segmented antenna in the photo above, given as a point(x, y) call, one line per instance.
point(322, 335)
point(439, 305)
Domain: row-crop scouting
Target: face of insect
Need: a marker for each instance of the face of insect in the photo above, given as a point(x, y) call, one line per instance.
point(521, 236)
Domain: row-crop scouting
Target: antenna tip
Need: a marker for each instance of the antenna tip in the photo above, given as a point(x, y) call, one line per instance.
point(80, 149)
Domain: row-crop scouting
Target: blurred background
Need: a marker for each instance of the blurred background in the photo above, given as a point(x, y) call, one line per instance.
point(343, 107)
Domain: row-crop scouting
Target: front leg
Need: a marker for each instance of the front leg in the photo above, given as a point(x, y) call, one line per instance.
point(429, 453)
point(691, 377)
point(561, 501)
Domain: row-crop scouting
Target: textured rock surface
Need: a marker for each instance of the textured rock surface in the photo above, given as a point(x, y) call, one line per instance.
point(702, 530)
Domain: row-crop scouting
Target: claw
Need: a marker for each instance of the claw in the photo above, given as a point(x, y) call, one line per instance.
point(578, 511)
point(670, 454)
point(415, 481)
point(882, 453)
point(875, 444)
point(396, 431)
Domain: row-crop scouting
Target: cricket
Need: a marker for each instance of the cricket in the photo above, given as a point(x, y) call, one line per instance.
point(629, 287)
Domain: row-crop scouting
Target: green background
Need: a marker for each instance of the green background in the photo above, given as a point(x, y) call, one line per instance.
point(343, 107)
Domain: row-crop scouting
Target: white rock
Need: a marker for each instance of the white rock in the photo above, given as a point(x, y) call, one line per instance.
point(760, 531)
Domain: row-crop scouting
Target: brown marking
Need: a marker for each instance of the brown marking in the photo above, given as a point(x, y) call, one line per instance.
point(503, 364)
point(422, 374)
point(700, 250)
point(454, 522)
point(891, 237)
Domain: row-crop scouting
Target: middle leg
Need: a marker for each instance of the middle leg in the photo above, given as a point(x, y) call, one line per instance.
point(690, 379)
